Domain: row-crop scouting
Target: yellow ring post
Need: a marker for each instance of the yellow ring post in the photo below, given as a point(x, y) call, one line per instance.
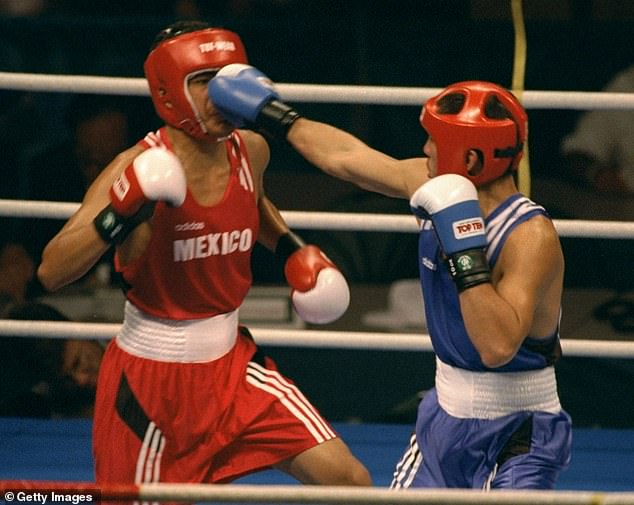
point(519, 71)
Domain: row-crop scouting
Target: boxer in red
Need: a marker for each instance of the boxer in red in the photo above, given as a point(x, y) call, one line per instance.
point(184, 394)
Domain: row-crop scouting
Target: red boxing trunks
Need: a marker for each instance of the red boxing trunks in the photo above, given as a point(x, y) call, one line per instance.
point(212, 422)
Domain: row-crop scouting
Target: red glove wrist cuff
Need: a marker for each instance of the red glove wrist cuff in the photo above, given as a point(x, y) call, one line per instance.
point(303, 266)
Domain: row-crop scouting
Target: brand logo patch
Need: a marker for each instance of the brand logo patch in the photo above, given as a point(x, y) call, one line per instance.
point(468, 228)
point(109, 220)
point(428, 263)
point(121, 187)
point(464, 263)
point(218, 45)
point(190, 225)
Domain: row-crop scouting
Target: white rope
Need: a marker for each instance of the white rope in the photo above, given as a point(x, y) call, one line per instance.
point(355, 495)
point(74, 84)
point(319, 339)
point(37, 209)
point(315, 93)
point(594, 229)
point(341, 221)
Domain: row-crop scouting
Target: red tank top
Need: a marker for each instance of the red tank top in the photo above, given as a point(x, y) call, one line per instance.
point(198, 261)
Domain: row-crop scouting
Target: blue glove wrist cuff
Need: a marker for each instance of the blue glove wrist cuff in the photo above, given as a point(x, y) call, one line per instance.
point(469, 268)
point(275, 120)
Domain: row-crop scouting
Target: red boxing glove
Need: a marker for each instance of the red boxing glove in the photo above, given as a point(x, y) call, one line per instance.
point(320, 292)
point(155, 174)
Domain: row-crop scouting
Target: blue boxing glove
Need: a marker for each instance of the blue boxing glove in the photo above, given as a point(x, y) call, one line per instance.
point(247, 99)
point(451, 202)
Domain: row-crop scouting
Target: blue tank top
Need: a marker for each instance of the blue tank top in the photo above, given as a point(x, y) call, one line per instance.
point(442, 309)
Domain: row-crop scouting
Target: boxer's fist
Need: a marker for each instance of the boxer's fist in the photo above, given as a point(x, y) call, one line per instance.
point(240, 91)
point(451, 202)
point(155, 174)
point(320, 292)
point(248, 99)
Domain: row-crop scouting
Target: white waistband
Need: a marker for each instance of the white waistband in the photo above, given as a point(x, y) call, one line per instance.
point(188, 341)
point(489, 395)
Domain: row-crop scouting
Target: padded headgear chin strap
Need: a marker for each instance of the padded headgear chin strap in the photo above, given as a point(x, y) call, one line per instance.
point(500, 141)
point(174, 61)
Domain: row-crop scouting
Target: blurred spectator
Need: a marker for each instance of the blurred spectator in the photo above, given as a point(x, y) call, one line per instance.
point(600, 151)
point(99, 128)
point(23, 7)
point(17, 134)
point(17, 270)
point(47, 378)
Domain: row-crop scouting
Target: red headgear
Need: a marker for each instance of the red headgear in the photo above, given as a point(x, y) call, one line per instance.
point(499, 140)
point(174, 61)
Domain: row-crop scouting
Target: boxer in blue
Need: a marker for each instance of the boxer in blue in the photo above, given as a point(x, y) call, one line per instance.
point(491, 269)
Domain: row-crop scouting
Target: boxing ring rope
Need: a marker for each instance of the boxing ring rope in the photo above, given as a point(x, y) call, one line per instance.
point(348, 221)
point(244, 493)
point(322, 339)
point(315, 93)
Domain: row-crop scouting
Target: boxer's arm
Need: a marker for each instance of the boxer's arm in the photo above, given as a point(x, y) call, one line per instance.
point(342, 155)
point(499, 316)
point(113, 207)
point(247, 98)
point(319, 291)
point(78, 247)
point(272, 224)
